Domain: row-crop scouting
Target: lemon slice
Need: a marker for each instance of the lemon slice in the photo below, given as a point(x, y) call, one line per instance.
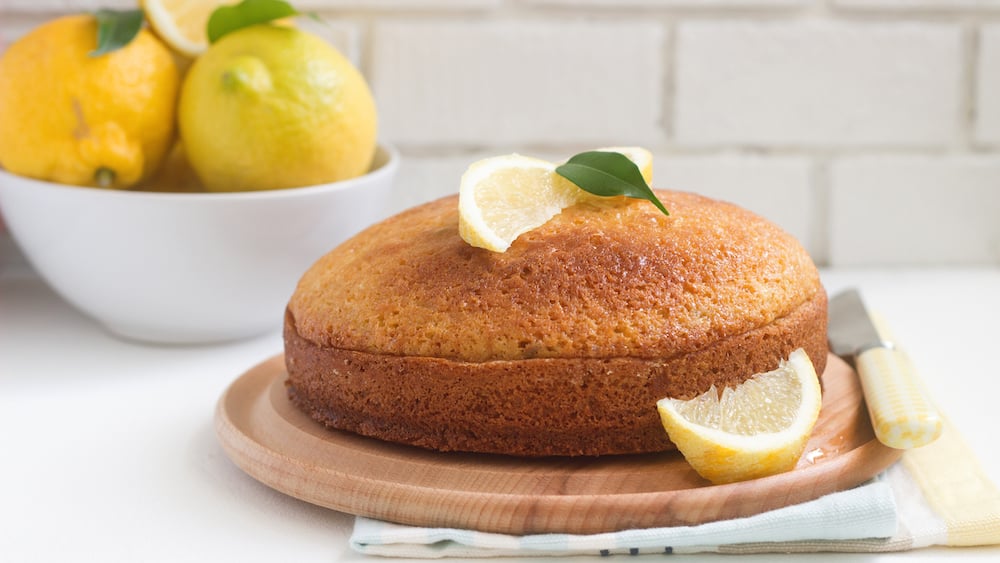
point(756, 429)
point(181, 23)
point(503, 196)
point(640, 156)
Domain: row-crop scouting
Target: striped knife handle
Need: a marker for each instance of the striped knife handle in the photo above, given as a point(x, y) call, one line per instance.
point(901, 411)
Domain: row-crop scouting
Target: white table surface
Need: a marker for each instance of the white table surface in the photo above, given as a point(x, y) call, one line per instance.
point(107, 450)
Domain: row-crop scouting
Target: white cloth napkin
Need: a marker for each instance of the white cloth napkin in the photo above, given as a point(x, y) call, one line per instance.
point(864, 511)
point(936, 495)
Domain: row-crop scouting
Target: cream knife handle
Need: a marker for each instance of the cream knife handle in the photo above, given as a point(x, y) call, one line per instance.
point(901, 412)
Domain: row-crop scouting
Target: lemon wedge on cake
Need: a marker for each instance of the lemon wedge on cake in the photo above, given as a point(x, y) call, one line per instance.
point(504, 196)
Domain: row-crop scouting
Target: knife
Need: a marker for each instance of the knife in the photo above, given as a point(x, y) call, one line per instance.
point(901, 412)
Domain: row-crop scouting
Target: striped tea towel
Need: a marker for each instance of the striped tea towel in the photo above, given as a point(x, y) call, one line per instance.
point(935, 495)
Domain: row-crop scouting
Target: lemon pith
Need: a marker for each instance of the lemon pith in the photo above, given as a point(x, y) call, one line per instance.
point(756, 429)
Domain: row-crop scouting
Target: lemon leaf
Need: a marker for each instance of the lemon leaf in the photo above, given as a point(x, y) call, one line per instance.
point(116, 29)
point(227, 19)
point(608, 174)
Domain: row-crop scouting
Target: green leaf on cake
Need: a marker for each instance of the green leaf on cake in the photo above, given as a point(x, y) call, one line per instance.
point(608, 174)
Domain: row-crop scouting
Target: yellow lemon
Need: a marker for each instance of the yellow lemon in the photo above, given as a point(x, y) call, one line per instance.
point(756, 429)
point(72, 118)
point(270, 107)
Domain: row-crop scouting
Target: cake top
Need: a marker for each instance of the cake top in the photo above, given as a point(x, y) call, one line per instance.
point(604, 278)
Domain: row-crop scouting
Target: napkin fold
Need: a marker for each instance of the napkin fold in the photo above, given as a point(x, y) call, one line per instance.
point(935, 495)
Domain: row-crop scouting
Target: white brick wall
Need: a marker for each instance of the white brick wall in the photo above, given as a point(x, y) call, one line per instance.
point(943, 5)
point(518, 82)
point(778, 188)
point(915, 210)
point(988, 87)
point(817, 83)
point(869, 129)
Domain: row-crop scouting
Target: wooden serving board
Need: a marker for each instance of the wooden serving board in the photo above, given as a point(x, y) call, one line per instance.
point(270, 439)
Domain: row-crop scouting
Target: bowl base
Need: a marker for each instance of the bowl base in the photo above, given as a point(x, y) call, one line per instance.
point(182, 337)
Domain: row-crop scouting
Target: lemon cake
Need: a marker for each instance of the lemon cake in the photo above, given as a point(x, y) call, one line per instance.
point(563, 344)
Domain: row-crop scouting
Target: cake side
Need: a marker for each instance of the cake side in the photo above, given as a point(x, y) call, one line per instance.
point(531, 407)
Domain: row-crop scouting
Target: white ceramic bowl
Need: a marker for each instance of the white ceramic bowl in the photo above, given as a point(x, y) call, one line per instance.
point(187, 267)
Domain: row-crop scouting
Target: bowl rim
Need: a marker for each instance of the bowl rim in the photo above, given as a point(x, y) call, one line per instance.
point(388, 168)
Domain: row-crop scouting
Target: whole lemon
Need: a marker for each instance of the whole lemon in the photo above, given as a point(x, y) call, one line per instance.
point(73, 118)
point(270, 107)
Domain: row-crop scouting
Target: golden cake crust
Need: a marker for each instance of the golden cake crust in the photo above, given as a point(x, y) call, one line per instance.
point(562, 344)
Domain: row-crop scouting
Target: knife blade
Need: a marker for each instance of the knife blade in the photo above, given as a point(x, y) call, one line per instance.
point(901, 411)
